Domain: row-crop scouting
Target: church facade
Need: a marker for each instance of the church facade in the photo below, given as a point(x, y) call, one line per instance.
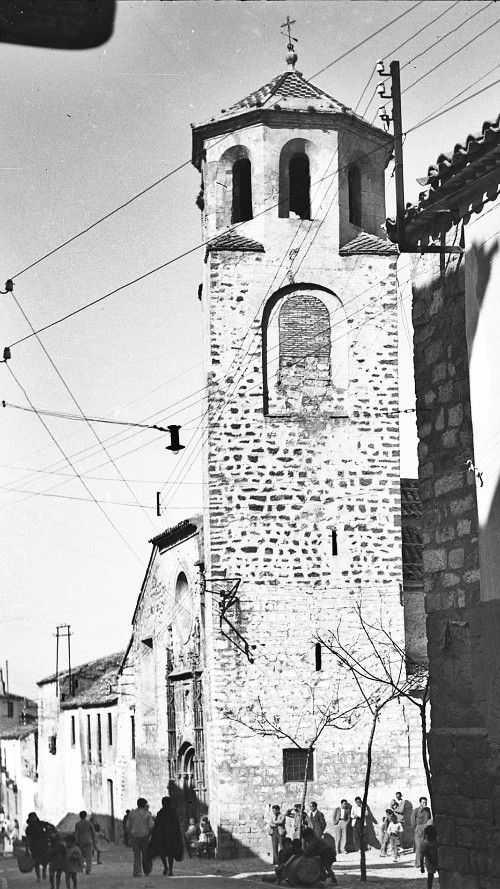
point(239, 693)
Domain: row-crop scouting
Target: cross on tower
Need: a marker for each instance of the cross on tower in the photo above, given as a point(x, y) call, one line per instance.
point(288, 25)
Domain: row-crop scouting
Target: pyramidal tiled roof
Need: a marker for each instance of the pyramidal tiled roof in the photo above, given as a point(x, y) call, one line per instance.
point(365, 243)
point(289, 86)
point(232, 241)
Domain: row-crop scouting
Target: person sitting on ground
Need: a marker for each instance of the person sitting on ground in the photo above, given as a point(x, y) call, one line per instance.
point(429, 854)
point(316, 847)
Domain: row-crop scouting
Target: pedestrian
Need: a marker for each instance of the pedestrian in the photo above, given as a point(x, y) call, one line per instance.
point(138, 829)
point(429, 854)
point(3, 837)
point(317, 820)
point(315, 847)
point(191, 836)
point(74, 862)
point(207, 842)
point(37, 843)
point(394, 830)
point(385, 838)
point(420, 816)
point(57, 860)
point(277, 831)
point(356, 822)
point(166, 838)
point(101, 843)
point(124, 823)
point(299, 819)
point(341, 818)
point(85, 839)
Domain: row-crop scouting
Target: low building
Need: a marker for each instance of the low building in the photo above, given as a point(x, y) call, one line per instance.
point(14, 709)
point(79, 765)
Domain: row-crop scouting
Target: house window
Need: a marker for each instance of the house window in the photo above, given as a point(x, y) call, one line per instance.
point(242, 191)
point(89, 739)
point(354, 186)
point(110, 729)
point(300, 202)
point(53, 744)
point(10, 709)
point(99, 739)
point(73, 731)
point(132, 737)
point(294, 765)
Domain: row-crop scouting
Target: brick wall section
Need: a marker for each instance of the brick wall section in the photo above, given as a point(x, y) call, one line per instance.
point(466, 790)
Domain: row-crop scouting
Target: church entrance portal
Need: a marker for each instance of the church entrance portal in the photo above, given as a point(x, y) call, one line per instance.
point(187, 802)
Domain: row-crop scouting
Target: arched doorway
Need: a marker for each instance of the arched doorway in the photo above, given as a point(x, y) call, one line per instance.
point(187, 803)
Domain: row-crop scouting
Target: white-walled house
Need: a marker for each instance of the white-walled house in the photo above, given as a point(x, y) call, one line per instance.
point(79, 763)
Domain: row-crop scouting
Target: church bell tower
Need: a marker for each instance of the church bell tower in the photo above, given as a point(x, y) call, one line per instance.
point(301, 452)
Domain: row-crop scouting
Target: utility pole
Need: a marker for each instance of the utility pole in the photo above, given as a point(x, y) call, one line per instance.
point(59, 635)
point(395, 95)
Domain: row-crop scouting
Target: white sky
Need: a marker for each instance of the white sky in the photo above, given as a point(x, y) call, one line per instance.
point(82, 133)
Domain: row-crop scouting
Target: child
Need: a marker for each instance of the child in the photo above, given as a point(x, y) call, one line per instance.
point(207, 837)
point(428, 854)
point(191, 836)
point(101, 843)
point(57, 860)
point(74, 862)
point(385, 838)
point(394, 831)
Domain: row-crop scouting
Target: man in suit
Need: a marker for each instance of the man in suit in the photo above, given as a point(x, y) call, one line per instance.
point(341, 817)
point(317, 820)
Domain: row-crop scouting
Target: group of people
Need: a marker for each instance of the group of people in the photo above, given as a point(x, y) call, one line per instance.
point(161, 837)
point(401, 824)
point(9, 832)
point(68, 855)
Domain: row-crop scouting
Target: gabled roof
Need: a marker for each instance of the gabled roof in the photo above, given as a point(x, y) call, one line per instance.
point(451, 181)
point(290, 86)
point(92, 670)
point(370, 244)
point(232, 241)
point(17, 732)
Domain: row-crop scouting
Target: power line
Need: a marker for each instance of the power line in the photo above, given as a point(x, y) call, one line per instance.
point(58, 446)
point(67, 416)
point(448, 34)
point(75, 402)
point(366, 39)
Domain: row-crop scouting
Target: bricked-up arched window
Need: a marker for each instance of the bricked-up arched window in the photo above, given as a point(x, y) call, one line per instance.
point(304, 338)
point(300, 183)
point(354, 185)
point(242, 191)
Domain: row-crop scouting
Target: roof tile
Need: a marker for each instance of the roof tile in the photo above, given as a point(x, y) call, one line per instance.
point(232, 241)
point(365, 243)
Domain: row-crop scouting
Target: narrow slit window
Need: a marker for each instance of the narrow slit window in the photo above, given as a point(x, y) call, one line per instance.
point(132, 737)
point(317, 656)
point(99, 739)
point(73, 731)
point(334, 543)
point(89, 739)
point(354, 185)
point(300, 183)
point(110, 729)
point(242, 191)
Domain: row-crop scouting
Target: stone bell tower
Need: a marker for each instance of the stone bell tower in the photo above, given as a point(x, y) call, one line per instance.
point(301, 455)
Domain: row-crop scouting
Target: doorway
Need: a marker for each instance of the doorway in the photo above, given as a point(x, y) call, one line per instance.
point(187, 803)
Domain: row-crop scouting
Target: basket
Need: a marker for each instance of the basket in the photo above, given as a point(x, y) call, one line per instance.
point(25, 863)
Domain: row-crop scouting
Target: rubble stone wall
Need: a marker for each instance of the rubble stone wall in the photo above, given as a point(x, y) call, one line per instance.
point(464, 658)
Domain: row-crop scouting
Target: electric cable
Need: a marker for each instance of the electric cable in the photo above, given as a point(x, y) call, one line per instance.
point(67, 416)
point(448, 34)
point(73, 398)
point(68, 460)
point(187, 162)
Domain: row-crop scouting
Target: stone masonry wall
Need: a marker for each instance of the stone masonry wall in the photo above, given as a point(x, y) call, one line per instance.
point(460, 629)
point(277, 488)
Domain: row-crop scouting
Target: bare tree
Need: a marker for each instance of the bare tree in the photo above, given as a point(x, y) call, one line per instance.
point(382, 673)
point(308, 727)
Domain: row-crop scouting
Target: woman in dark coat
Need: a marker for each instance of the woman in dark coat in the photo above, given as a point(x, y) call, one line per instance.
point(37, 843)
point(166, 838)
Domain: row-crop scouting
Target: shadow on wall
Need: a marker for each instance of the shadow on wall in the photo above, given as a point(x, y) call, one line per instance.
point(478, 271)
point(230, 847)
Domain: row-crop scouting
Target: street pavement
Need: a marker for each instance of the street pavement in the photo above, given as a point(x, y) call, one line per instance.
point(116, 872)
